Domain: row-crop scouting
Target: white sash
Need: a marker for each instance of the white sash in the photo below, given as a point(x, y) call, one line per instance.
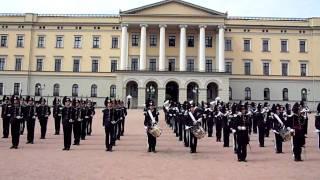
point(151, 116)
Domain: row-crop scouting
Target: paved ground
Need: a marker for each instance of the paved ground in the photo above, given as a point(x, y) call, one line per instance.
point(130, 160)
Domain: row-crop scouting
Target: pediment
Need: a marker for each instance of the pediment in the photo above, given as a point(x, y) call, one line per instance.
point(173, 7)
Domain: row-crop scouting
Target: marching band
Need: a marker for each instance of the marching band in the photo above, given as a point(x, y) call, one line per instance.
point(189, 122)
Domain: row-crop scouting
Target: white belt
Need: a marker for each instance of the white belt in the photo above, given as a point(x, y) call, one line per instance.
point(243, 128)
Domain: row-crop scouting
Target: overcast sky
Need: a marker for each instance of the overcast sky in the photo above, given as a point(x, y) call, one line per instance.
point(266, 8)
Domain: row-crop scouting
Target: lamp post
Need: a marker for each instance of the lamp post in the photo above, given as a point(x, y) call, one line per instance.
point(195, 90)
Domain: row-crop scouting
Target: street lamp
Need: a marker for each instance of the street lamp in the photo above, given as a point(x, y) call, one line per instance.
point(195, 90)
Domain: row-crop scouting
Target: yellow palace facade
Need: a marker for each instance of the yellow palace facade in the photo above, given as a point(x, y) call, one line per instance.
point(167, 50)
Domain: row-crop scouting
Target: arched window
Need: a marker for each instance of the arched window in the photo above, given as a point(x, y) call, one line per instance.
point(113, 91)
point(247, 93)
point(56, 89)
point(266, 94)
point(230, 93)
point(75, 90)
point(285, 94)
point(1, 89)
point(94, 90)
point(37, 90)
point(304, 94)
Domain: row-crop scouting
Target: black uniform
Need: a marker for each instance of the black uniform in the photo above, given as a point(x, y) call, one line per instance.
point(86, 114)
point(242, 132)
point(23, 120)
point(43, 112)
point(193, 141)
point(226, 129)
point(5, 115)
point(317, 125)
point(57, 115)
point(67, 126)
point(260, 118)
point(218, 123)
point(30, 116)
point(89, 120)
point(152, 141)
point(15, 120)
point(77, 120)
point(124, 114)
point(296, 123)
point(277, 126)
point(108, 117)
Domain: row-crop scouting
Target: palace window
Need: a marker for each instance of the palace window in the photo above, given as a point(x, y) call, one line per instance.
point(190, 65)
point(284, 46)
point(228, 45)
point(247, 45)
point(135, 40)
point(152, 64)
point(153, 40)
point(76, 65)
point(41, 41)
point(266, 94)
point(56, 89)
point(94, 90)
point(77, 42)
point(265, 45)
point(2, 63)
point(20, 41)
point(172, 41)
point(172, 65)
point(113, 91)
point(284, 69)
point(134, 64)
point(247, 68)
point(1, 89)
point(39, 64)
point(59, 42)
point(37, 89)
point(114, 64)
point(304, 94)
point(247, 93)
point(95, 65)
point(75, 90)
point(18, 64)
point(190, 41)
point(303, 69)
point(285, 94)
point(115, 43)
point(208, 65)
point(4, 41)
point(96, 42)
point(228, 67)
point(208, 41)
point(57, 65)
point(302, 46)
point(266, 68)
point(16, 89)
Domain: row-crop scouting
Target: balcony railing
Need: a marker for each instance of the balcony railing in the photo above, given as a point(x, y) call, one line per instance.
point(169, 70)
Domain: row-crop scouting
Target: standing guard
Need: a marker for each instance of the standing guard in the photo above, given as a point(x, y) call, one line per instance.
point(107, 124)
point(57, 115)
point(15, 120)
point(261, 119)
point(67, 121)
point(90, 117)
point(43, 112)
point(30, 116)
point(5, 115)
point(124, 114)
point(76, 117)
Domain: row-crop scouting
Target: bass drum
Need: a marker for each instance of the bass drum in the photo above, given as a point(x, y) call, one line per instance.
point(285, 134)
point(155, 131)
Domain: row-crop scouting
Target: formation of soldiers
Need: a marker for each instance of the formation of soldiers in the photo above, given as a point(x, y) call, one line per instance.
point(240, 120)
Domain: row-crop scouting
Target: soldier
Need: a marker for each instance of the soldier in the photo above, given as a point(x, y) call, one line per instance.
point(23, 120)
point(305, 111)
point(76, 117)
point(89, 120)
point(277, 125)
point(226, 126)
point(86, 114)
point(5, 115)
point(242, 131)
point(107, 124)
point(218, 121)
point(43, 112)
point(151, 118)
point(317, 124)
point(67, 121)
point(194, 120)
point(29, 114)
point(124, 114)
point(260, 118)
point(15, 120)
point(295, 125)
point(57, 114)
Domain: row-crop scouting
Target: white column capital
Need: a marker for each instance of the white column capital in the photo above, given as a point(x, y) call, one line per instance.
point(221, 26)
point(202, 26)
point(124, 25)
point(162, 26)
point(183, 26)
point(143, 25)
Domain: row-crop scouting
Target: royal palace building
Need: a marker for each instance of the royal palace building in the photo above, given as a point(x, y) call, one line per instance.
point(167, 50)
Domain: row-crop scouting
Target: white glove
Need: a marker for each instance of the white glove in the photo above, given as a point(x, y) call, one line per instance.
point(153, 122)
point(233, 131)
point(145, 127)
point(292, 130)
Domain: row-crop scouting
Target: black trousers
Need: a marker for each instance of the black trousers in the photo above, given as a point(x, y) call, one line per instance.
point(210, 127)
point(186, 134)
point(298, 143)
point(122, 126)
point(176, 126)
point(15, 132)
point(6, 127)
point(43, 125)
point(152, 142)
point(109, 137)
point(242, 151)
point(89, 126)
point(235, 143)
point(261, 135)
point(193, 143)
point(205, 124)
point(319, 140)
point(22, 126)
point(84, 128)
point(67, 134)
point(218, 131)
point(305, 127)
point(279, 140)
point(30, 129)
point(254, 126)
point(226, 136)
point(57, 121)
point(77, 131)
point(118, 130)
point(180, 131)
